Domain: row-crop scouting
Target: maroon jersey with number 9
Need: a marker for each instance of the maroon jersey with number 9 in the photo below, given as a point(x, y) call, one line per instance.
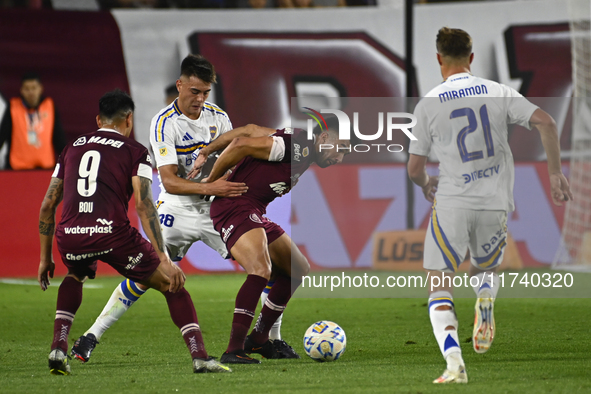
point(97, 169)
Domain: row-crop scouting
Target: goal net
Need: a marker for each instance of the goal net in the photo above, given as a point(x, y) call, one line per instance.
point(575, 245)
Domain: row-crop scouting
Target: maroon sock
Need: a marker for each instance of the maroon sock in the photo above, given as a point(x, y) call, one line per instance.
point(246, 304)
point(278, 298)
point(69, 298)
point(182, 312)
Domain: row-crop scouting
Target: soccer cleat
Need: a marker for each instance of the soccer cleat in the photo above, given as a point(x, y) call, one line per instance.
point(83, 347)
point(453, 377)
point(58, 362)
point(283, 350)
point(209, 364)
point(484, 324)
point(267, 350)
point(238, 357)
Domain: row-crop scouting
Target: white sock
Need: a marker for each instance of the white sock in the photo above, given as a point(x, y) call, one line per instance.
point(448, 340)
point(275, 333)
point(487, 282)
point(122, 298)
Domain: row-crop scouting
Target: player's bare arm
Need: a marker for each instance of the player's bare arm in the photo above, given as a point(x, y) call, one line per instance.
point(53, 197)
point(176, 185)
point(417, 171)
point(251, 131)
point(142, 190)
point(239, 148)
point(547, 127)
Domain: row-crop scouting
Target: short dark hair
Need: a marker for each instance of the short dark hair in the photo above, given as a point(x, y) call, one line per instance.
point(115, 105)
point(200, 67)
point(30, 76)
point(455, 43)
point(332, 122)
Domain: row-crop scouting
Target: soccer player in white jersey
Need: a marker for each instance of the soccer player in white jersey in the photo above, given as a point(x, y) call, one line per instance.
point(463, 122)
point(177, 134)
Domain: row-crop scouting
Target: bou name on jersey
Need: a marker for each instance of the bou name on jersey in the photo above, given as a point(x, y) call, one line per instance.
point(290, 157)
point(177, 139)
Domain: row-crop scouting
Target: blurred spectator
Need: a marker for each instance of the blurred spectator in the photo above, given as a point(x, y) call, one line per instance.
point(310, 3)
point(171, 93)
point(31, 128)
point(33, 4)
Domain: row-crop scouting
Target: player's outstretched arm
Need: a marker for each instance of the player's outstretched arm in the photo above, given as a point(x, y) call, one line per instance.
point(239, 148)
point(176, 185)
point(549, 133)
point(417, 171)
point(142, 190)
point(251, 131)
point(53, 197)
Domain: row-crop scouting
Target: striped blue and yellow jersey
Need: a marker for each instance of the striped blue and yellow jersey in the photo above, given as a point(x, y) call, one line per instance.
point(177, 139)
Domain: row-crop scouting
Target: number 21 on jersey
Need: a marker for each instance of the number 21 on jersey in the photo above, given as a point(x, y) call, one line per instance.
point(470, 128)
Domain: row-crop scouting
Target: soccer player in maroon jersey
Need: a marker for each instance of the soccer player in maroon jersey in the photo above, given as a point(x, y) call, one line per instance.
point(96, 176)
point(269, 165)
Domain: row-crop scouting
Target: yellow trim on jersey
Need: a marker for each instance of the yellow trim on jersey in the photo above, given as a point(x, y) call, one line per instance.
point(159, 128)
point(217, 109)
point(441, 241)
point(131, 290)
point(191, 148)
point(158, 203)
point(494, 256)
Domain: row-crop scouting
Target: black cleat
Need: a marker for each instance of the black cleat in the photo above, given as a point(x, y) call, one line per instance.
point(83, 347)
point(266, 349)
point(284, 350)
point(238, 357)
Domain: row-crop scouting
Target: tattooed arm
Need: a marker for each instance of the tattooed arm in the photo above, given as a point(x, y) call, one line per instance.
point(144, 204)
point(53, 197)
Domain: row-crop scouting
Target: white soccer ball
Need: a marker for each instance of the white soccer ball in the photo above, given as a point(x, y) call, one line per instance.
point(325, 341)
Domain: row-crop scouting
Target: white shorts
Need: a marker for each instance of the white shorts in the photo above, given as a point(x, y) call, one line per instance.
point(183, 225)
point(453, 231)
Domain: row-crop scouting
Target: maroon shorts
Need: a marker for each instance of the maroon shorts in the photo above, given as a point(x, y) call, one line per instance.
point(134, 258)
point(232, 224)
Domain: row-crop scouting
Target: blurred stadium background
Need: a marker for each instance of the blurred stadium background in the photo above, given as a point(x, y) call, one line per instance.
point(264, 57)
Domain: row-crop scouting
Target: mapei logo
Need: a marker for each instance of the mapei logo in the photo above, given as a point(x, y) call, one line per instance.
point(345, 129)
point(80, 141)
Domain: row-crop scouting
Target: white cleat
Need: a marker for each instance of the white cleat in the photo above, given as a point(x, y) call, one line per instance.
point(448, 376)
point(209, 365)
point(58, 363)
point(484, 324)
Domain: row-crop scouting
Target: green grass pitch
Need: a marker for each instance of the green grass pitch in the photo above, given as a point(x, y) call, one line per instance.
point(542, 345)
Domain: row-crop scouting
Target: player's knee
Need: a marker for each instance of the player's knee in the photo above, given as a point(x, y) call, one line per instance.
point(81, 279)
point(260, 268)
point(450, 328)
